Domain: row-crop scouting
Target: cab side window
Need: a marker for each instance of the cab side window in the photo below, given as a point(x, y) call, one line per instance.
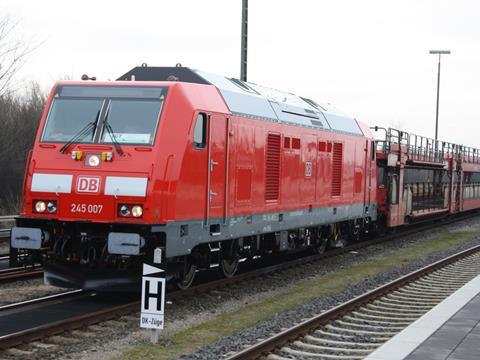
point(200, 131)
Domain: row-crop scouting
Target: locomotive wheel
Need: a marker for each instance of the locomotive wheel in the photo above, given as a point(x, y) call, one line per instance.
point(229, 267)
point(13, 259)
point(230, 259)
point(322, 246)
point(187, 275)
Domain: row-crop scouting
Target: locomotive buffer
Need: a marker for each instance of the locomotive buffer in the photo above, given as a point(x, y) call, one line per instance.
point(153, 300)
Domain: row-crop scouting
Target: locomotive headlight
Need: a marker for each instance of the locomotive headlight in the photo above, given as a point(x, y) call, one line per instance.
point(40, 206)
point(77, 155)
point(93, 160)
point(52, 207)
point(137, 211)
point(124, 210)
point(107, 156)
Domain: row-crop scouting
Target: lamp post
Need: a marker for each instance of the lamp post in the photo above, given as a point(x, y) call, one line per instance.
point(439, 52)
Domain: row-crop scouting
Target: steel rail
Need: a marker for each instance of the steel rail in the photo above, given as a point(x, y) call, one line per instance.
point(5, 233)
point(41, 300)
point(267, 346)
point(17, 274)
point(8, 218)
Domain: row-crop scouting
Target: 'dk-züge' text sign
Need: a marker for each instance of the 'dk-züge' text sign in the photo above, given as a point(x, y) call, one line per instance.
point(153, 298)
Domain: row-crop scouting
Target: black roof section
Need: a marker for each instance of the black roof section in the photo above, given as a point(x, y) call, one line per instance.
point(177, 73)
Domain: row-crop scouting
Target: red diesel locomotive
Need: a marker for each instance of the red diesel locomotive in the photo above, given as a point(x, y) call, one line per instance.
point(180, 167)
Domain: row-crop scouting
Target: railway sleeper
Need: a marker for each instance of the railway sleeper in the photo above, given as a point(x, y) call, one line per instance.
point(430, 289)
point(277, 357)
point(352, 344)
point(382, 334)
point(452, 282)
point(466, 264)
point(404, 300)
point(398, 311)
point(384, 317)
point(408, 303)
point(380, 322)
point(436, 284)
point(442, 276)
point(467, 270)
point(319, 348)
point(454, 278)
point(458, 271)
point(427, 290)
point(402, 305)
point(369, 326)
point(350, 337)
point(442, 285)
point(408, 293)
point(388, 314)
point(409, 299)
point(294, 352)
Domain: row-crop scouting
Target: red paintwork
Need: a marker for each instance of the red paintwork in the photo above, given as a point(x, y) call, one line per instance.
point(177, 172)
point(471, 204)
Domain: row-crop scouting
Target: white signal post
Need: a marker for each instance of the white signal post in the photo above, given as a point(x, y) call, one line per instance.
point(153, 300)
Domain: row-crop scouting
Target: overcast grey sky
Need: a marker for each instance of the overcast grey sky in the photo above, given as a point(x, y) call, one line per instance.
point(369, 58)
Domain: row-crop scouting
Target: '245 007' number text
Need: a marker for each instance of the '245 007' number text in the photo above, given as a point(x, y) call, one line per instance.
point(86, 208)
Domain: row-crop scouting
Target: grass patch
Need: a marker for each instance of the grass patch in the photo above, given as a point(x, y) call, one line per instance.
point(202, 334)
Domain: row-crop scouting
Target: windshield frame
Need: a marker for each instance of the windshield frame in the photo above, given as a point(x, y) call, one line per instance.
point(107, 100)
point(50, 110)
point(99, 137)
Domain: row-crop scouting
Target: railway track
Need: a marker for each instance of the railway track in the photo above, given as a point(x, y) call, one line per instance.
point(5, 233)
point(356, 328)
point(17, 274)
point(4, 237)
point(31, 332)
point(42, 300)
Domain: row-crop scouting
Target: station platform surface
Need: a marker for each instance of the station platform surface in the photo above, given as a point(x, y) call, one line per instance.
point(449, 331)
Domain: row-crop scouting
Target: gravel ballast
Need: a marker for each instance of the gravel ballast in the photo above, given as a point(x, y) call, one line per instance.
point(26, 290)
point(4, 246)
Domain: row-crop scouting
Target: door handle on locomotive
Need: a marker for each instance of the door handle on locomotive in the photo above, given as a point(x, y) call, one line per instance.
point(212, 164)
point(212, 194)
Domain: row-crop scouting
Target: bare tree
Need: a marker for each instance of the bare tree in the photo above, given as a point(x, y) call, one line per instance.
point(13, 52)
point(19, 118)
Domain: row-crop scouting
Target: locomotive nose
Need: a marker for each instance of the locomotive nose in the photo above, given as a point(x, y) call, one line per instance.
point(89, 196)
point(106, 197)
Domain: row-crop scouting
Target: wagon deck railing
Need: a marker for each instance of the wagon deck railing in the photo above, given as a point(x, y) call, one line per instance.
point(424, 149)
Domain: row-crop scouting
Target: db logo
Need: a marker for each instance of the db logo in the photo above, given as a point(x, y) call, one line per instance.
point(88, 184)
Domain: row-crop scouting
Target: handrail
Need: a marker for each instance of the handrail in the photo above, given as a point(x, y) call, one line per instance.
point(7, 218)
point(422, 148)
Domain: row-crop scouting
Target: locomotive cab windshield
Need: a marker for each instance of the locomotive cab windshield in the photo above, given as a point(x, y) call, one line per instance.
point(104, 114)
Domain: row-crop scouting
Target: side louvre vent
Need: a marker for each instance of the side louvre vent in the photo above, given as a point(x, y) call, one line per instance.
point(337, 169)
point(272, 167)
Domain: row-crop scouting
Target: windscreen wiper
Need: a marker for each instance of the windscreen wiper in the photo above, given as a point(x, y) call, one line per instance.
point(79, 136)
point(115, 142)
